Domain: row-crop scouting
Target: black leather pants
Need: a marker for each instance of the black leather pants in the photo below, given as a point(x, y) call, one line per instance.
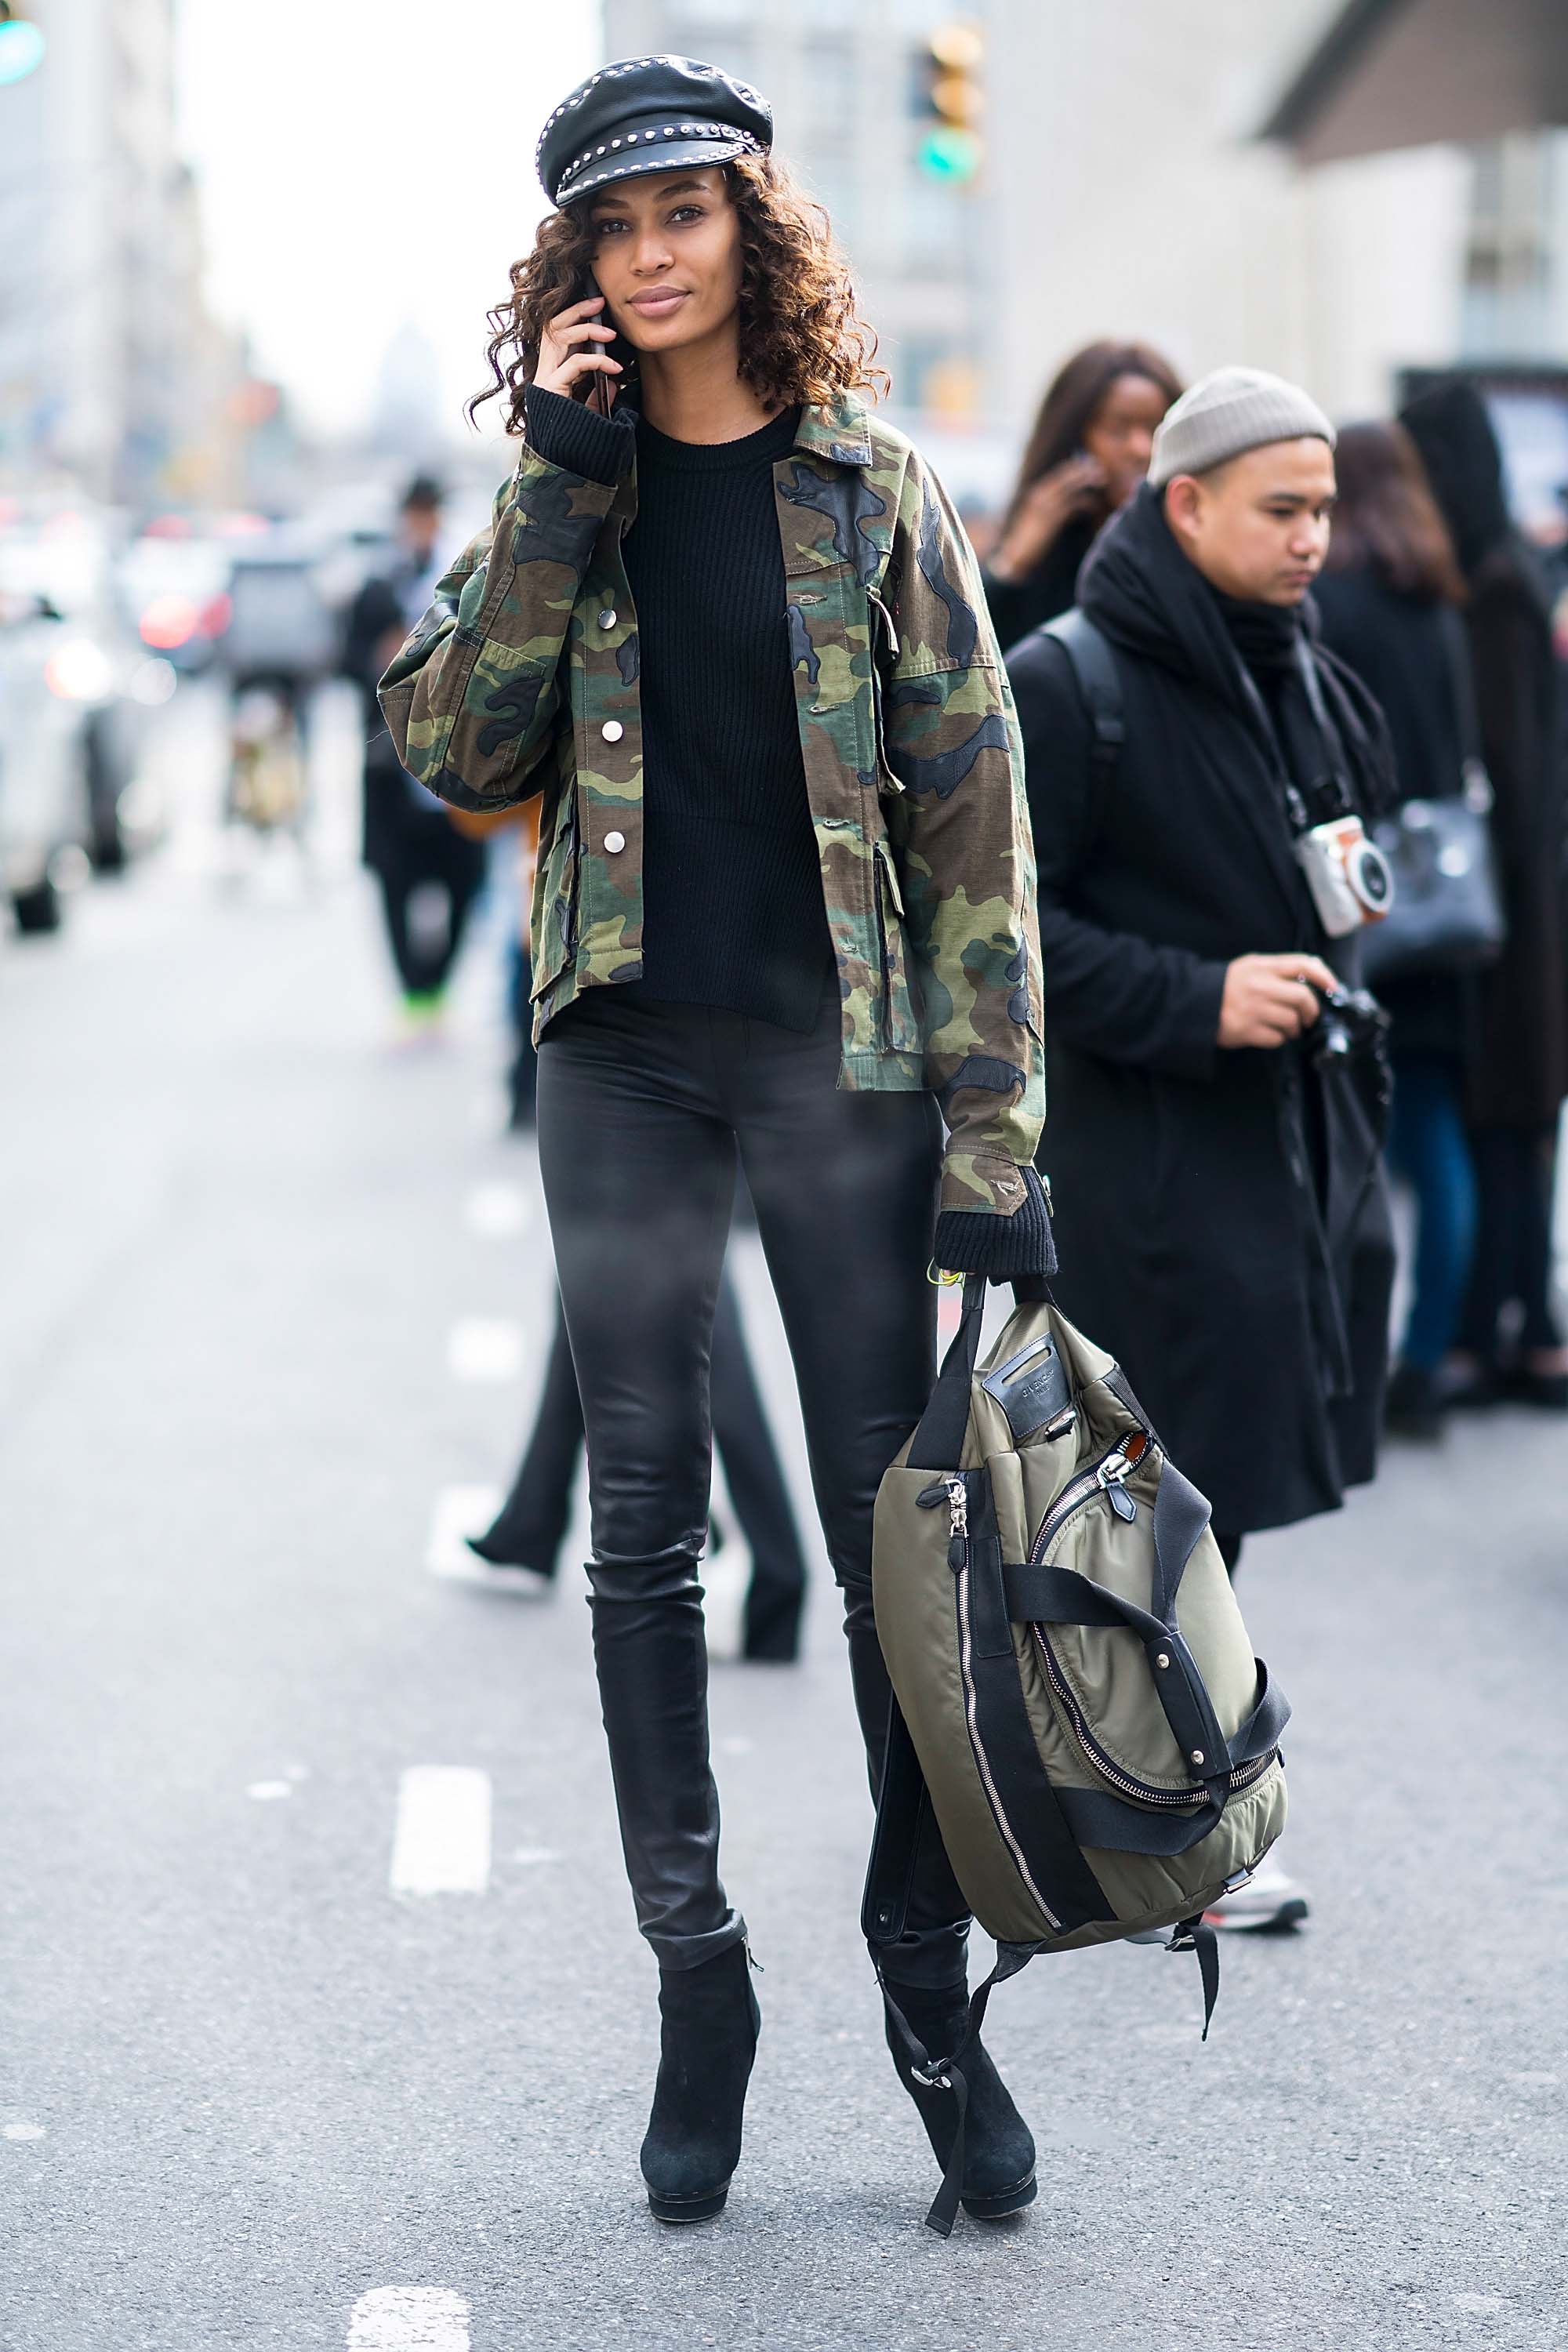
point(641, 1110)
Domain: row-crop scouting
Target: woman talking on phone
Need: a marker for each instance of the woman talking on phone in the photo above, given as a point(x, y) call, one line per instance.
point(1087, 453)
point(726, 625)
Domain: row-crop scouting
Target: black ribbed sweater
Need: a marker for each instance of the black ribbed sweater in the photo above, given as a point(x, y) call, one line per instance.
point(732, 906)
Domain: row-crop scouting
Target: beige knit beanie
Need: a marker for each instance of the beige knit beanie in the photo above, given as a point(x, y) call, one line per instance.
point(1235, 408)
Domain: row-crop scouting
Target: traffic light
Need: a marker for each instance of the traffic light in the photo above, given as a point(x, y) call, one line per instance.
point(21, 45)
point(951, 101)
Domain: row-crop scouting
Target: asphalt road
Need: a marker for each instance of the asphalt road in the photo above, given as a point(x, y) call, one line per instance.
point(274, 1295)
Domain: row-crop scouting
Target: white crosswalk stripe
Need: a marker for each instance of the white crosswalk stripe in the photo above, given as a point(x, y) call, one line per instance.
point(484, 1347)
point(409, 2319)
point(442, 1843)
point(498, 1211)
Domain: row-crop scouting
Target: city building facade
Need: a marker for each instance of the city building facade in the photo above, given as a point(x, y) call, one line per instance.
point(113, 375)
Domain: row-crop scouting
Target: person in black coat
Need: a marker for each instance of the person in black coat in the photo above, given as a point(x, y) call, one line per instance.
point(1518, 1075)
point(407, 842)
point(1087, 453)
point(1221, 1212)
point(1388, 602)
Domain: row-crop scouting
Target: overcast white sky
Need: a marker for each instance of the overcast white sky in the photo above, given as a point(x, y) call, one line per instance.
point(365, 162)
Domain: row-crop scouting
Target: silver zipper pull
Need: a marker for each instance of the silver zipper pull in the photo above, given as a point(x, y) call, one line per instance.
point(957, 1506)
point(1109, 1478)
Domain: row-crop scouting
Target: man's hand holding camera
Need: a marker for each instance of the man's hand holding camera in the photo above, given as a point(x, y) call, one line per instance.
point(1270, 998)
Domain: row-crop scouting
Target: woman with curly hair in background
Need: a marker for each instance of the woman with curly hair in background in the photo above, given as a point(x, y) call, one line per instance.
point(726, 623)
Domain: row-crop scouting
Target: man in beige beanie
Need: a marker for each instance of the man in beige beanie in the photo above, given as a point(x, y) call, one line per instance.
point(1221, 1217)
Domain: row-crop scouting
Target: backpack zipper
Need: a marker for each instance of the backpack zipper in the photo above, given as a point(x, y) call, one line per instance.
point(1101, 1477)
point(958, 1529)
point(1105, 1477)
point(1241, 1776)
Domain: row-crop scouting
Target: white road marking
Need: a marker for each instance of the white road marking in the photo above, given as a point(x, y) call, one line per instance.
point(22, 2131)
point(484, 1347)
point(489, 1110)
point(443, 1841)
point(266, 1789)
point(457, 1512)
point(498, 1210)
point(527, 1853)
point(409, 2319)
point(736, 1745)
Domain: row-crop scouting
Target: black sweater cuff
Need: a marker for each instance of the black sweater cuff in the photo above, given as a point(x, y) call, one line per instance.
point(970, 1241)
point(578, 439)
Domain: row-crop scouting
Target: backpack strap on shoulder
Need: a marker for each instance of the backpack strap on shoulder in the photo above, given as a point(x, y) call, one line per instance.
point(1093, 666)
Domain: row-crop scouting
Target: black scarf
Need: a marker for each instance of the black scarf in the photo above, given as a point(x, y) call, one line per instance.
point(1315, 716)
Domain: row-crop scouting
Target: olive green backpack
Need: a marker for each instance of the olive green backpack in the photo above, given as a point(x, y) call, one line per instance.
point(1075, 1694)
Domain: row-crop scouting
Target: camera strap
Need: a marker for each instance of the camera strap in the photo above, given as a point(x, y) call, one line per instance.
point(1336, 770)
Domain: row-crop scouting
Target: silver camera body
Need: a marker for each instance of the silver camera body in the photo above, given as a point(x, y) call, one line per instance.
point(1351, 880)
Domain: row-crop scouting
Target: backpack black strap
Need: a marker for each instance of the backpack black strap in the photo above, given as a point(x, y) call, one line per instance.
point(939, 1440)
point(1093, 666)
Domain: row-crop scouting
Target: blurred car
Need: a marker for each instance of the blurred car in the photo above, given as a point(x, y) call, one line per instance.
point(59, 577)
point(174, 585)
point(42, 803)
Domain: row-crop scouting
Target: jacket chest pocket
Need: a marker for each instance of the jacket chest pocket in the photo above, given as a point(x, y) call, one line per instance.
point(901, 1013)
point(553, 921)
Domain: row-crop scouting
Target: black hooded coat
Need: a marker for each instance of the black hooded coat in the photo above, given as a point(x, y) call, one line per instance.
point(1221, 1216)
point(1518, 1074)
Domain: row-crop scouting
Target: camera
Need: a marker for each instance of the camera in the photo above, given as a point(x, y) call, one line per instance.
point(1351, 1024)
point(1351, 880)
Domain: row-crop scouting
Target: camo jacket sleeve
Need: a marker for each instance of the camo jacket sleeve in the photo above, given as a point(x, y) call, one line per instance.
point(961, 828)
point(471, 700)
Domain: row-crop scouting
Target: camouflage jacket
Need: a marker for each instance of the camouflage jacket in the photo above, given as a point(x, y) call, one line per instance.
point(522, 678)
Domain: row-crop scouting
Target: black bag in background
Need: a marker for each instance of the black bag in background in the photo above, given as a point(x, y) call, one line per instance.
point(1447, 911)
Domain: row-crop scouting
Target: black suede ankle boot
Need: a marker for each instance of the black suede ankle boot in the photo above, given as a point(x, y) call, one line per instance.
point(998, 2147)
point(708, 2038)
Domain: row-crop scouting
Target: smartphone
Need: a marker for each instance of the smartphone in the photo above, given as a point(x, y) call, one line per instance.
point(601, 387)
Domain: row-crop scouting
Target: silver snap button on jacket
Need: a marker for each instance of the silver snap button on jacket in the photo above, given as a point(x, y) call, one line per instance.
point(614, 843)
point(606, 618)
point(612, 730)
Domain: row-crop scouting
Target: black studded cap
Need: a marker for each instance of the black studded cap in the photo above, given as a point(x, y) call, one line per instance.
point(648, 114)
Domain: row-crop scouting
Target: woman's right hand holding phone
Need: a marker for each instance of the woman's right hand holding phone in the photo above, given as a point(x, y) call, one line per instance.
point(1044, 511)
point(571, 359)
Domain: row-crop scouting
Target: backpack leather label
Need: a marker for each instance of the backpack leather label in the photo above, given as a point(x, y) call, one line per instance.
point(1030, 1389)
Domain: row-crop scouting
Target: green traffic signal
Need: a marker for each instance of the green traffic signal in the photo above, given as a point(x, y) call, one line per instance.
point(948, 152)
point(21, 46)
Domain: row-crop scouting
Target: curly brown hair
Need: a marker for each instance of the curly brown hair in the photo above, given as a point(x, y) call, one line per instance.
point(801, 337)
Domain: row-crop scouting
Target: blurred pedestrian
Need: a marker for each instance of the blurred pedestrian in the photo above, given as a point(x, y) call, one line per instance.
point(522, 1545)
point(1086, 454)
point(429, 872)
point(1509, 1338)
point(1220, 1209)
point(1388, 600)
point(724, 950)
point(276, 646)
